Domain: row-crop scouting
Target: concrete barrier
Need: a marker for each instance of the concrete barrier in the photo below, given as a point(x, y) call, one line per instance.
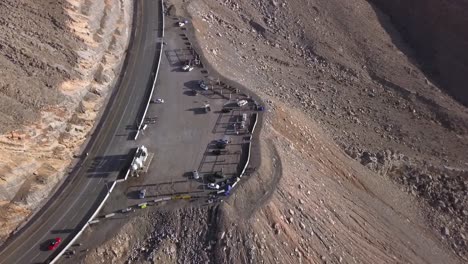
point(248, 156)
point(126, 175)
point(181, 197)
point(109, 215)
point(162, 199)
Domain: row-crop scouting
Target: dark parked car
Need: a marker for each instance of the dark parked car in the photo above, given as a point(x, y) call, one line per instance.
point(219, 151)
point(203, 85)
point(211, 178)
point(221, 145)
point(219, 175)
point(142, 194)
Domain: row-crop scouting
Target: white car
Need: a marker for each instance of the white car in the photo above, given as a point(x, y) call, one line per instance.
point(195, 175)
point(241, 103)
point(160, 101)
point(187, 68)
point(213, 186)
point(181, 24)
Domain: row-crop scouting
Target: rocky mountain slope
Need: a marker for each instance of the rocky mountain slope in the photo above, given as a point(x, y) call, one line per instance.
point(58, 60)
point(437, 33)
point(364, 157)
point(340, 77)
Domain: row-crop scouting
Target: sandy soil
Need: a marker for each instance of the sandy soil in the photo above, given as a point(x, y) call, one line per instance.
point(58, 61)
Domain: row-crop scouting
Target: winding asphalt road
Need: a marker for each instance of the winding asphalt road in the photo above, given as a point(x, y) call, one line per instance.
point(108, 150)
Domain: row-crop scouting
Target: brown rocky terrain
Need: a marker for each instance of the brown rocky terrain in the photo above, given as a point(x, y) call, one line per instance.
point(349, 69)
point(343, 81)
point(364, 154)
point(58, 60)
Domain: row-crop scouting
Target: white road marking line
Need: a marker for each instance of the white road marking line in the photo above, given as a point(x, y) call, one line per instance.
point(35, 256)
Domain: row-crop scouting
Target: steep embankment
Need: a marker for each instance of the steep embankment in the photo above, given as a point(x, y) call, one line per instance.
point(352, 72)
point(332, 72)
point(58, 61)
point(438, 33)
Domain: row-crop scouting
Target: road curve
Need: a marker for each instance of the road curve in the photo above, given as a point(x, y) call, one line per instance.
point(72, 205)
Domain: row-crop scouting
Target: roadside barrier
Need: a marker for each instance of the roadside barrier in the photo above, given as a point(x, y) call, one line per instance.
point(91, 219)
point(248, 157)
point(161, 45)
point(109, 215)
point(162, 199)
point(250, 146)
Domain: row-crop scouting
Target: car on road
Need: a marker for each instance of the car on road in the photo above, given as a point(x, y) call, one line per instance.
point(241, 103)
point(181, 23)
point(142, 194)
point(213, 186)
point(187, 68)
point(203, 85)
point(54, 243)
point(195, 175)
point(226, 110)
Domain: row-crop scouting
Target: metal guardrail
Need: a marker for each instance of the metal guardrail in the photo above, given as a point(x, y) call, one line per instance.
point(56, 258)
point(142, 121)
point(248, 156)
point(250, 146)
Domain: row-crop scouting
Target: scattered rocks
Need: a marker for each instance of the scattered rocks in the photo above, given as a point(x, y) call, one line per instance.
point(446, 231)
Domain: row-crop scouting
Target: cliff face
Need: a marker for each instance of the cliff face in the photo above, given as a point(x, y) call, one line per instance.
point(438, 32)
point(57, 62)
point(37, 53)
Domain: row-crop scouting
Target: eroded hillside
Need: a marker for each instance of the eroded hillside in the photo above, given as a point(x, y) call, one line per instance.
point(58, 60)
point(352, 74)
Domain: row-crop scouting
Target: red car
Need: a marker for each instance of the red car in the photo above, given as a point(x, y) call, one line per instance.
point(55, 243)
